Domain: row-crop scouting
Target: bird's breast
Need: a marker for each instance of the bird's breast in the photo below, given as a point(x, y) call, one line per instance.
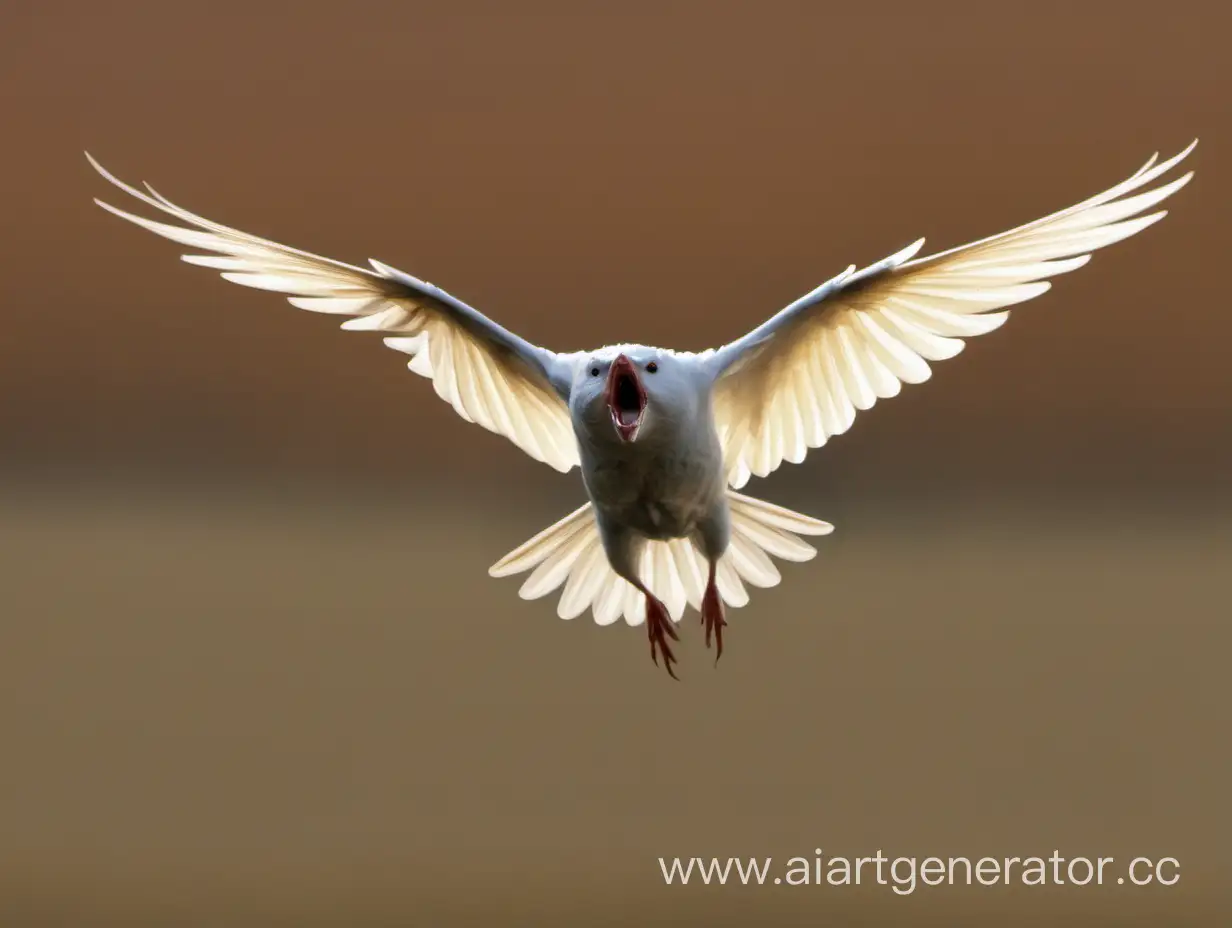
point(660, 495)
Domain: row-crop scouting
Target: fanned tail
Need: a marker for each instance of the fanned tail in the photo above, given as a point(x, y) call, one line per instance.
point(570, 553)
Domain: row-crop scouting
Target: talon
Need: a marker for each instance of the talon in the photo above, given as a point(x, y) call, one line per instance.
point(713, 617)
point(658, 630)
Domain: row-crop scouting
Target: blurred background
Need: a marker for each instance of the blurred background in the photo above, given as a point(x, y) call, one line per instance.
point(254, 671)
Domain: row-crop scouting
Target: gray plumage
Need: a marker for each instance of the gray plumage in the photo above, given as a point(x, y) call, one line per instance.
point(665, 439)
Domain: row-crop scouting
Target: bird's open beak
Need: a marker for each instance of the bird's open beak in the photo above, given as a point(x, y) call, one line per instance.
point(626, 398)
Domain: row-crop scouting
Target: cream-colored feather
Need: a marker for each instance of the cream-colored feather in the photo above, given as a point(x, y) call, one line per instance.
point(484, 383)
point(805, 382)
point(570, 553)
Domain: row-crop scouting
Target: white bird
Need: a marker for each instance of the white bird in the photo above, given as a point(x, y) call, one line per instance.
point(664, 439)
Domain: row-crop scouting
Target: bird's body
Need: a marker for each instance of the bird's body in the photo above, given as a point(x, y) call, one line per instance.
point(664, 492)
point(664, 439)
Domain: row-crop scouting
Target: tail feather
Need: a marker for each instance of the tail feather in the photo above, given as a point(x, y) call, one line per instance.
point(570, 553)
point(532, 552)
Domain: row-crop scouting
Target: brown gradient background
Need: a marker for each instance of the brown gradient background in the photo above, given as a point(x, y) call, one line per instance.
point(253, 671)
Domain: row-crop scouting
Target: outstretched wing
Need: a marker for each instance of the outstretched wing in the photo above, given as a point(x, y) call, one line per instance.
point(800, 377)
point(488, 374)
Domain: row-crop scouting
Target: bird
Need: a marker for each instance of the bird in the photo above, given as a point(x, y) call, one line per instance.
point(665, 440)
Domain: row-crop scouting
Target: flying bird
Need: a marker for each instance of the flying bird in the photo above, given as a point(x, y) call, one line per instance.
point(665, 439)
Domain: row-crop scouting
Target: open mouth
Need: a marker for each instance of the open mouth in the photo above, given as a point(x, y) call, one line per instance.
point(626, 398)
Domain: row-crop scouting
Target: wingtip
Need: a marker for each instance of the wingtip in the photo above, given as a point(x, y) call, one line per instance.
point(97, 165)
point(1182, 154)
point(1178, 157)
point(905, 254)
point(107, 175)
point(98, 168)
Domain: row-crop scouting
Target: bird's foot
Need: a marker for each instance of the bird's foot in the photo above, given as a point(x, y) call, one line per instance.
point(658, 629)
point(713, 618)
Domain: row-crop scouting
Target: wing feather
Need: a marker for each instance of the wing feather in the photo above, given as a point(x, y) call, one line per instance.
point(488, 375)
point(801, 377)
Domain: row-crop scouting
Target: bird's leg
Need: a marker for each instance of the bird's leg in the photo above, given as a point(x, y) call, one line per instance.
point(712, 614)
point(712, 540)
point(622, 547)
point(659, 628)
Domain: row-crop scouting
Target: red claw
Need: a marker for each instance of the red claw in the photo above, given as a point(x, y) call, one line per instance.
point(713, 617)
point(659, 628)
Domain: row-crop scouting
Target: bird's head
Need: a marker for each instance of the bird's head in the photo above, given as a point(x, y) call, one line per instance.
point(626, 392)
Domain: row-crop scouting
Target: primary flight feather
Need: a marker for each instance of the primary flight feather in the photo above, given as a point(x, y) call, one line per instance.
point(664, 439)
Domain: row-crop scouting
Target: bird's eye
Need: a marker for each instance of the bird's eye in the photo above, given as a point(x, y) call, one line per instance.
point(651, 367)
point(594, 372)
